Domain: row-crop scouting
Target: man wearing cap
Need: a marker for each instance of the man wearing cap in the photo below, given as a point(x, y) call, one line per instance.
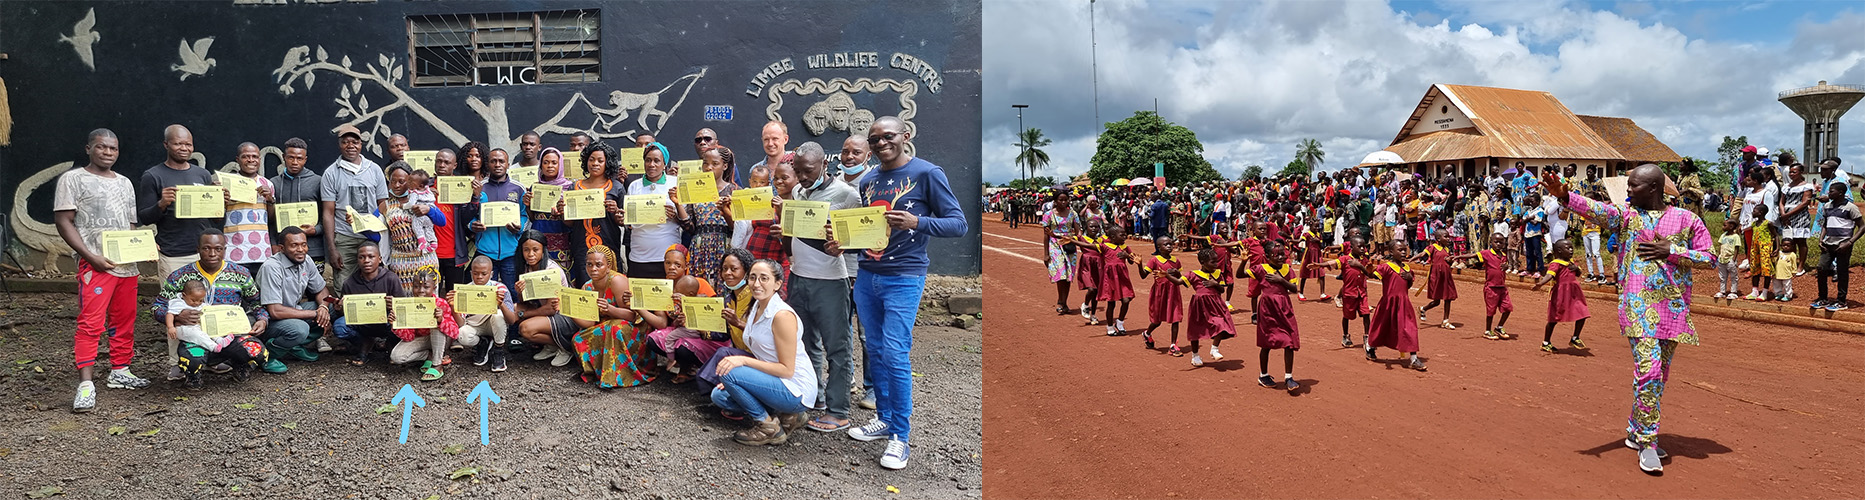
point(354, 182)
point(1742, 167)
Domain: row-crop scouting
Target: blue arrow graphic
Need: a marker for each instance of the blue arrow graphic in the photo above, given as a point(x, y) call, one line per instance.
point(484, 395)
point(408, 400)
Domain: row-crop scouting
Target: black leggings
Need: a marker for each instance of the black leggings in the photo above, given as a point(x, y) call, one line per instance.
point(191, 358)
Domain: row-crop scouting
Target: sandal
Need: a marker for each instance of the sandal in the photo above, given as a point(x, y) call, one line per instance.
point(827, 423)
point(1062, 310)
point(430, 373)
point(1175, 352)
point(681, 378)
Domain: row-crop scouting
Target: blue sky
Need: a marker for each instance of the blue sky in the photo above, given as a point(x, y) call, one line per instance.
point(1253, 78)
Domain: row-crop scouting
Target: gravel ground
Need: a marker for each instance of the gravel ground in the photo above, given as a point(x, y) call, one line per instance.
point(316, 432)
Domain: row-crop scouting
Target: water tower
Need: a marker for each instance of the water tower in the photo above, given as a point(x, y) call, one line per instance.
point(1821, 106)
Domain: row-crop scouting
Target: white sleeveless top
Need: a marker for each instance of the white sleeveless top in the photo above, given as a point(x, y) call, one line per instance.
point(759, 337)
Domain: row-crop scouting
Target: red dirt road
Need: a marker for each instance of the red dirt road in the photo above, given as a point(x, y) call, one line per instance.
point(1756, 411)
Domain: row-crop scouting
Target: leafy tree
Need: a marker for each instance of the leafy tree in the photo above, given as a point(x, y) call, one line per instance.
point(1730, 152)
point(1032, 183)
point(1252, 172)
point(1128, 149)
point(1309, 152)
point(1029, 150)
point(1295, 168)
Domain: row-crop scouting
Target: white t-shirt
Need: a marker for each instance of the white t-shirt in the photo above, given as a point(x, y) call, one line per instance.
point(101, 204)
point(760, 338)
point(193, 334)
point(651, 240)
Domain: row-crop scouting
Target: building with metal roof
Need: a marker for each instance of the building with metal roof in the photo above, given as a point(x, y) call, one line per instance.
point(1471, 129)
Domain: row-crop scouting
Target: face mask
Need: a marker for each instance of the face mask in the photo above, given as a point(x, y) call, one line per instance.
point(819, 181)
point(736, 287)
point(854, 170)
point(402, 194)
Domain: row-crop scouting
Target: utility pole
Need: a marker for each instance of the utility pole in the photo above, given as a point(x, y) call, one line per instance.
point(1095, 60)
point(1026, 144)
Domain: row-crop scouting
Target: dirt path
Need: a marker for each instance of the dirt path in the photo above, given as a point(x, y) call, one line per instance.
point(1070, 413)
point(315, 432)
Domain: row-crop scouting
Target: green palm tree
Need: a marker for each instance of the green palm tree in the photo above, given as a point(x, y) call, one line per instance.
point(1029, 155)
point(1309, 152)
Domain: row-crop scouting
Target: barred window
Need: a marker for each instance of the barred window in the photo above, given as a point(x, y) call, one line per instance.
point(519, 48)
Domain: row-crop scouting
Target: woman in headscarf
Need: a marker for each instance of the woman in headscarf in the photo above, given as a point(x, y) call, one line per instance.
point(551, 223)
point(410, 224)
point(613, 353)
point(602, 170)
point(709, 223)
point(647, 240)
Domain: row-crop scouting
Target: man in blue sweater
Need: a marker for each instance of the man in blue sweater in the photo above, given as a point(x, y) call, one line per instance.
point(888, 285)
point(1162, 217)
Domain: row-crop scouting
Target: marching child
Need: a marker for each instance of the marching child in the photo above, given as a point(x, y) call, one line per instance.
point(1115, 285)
point(1439, 286)
point(1163, 304)
point(1275, 326)
point(1208, 318)
point(1394, 313)
point(1567, 302)
point(1259, 234)
point(1352, 288)
point(1311, 253)
point(1088, 268)
point(1495, 291)
point(1222, 244)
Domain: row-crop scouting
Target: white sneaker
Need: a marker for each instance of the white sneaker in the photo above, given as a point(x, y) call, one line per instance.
point(1216, 356)
point(323, 345)
point(562, 358)
point(895, 457)
point(546, 352)
point(873, 430)
point(126, 380)
point(1120, 324)
point(1086, 313)
point(86, 399)
point(1197, 361)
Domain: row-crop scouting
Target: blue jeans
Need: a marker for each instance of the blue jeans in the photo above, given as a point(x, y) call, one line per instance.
point(888, 306)
point(341, 329)
point(754, 393)
point(286, 333)
point(506, 271)
point(1536, 264)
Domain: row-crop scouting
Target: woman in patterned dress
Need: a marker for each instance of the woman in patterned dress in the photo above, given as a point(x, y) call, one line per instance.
point(551, 223)
point(1060, 226)
point(613, 353)
point(710, 224)
point(411, 222)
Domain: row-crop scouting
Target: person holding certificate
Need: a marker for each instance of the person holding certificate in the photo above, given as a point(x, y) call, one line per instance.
point(351, 181)
point(500, 242)
point(602, 170)
point(550, 222)
point(87, 202)
point(368, 336)
point(156, 199)
point(249, 224)
point(227, 285)
point(425, 344)
point(474, 327)
point(541, 321)
point(411, 220)
point(648, 242)
point(668, 326)
point(819, 290)
point(710, 224)
point(766, 240)
point(613, 353)
point(201, 348)
point(299, 185)
point(284, 283)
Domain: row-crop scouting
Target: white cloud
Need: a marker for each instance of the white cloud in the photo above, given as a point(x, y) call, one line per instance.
point(1252, 79)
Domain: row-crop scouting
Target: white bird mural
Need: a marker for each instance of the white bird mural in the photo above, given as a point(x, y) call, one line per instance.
point(194, 60)
point(82, 36)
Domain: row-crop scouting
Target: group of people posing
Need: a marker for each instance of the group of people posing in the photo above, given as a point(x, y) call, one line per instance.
point(790, 303)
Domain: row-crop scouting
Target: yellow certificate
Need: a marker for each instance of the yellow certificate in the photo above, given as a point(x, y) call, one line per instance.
point(454, 189)
point(476, 299)
point(365, 309)
point(804, 219)
point(542, 284)
point(704, 313)
point(303, 213)
point(572, 167)
point(633, 161)
point(239, 188)
point(415, 313)
point(860, 228)
point(685, 167)
point(360, 222)
point(583, 204)
point(752, 204)
point(698, 187)
point(643, 209)
point(544, 197)
point(498, 213)
point(524, 176)
point(123, 247)
point(651, 295)
point(200, 202)
point(221, 321)
point(420, 160)
point(578, 303)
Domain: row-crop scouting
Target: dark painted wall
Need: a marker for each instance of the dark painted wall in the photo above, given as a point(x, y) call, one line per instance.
point(135, 89)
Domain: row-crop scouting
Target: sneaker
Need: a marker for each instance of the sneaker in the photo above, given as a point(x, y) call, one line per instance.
point(1547, 348)
point(86, 399)
point(498, 359)
point(1087, 313)
point(1817, 304)
point(1447, 325)
point(1301, 297)
point(221, 369)
point(1111, 332)
point(563, 358)
point(482, 354)
point(175, 374)
point(1291, 385)
point(1337, 304)
point(1266, 381)
point(546, 352)
point(323, 345)
point(790, 421)
point(1175, 352)
point(274, 366)
point(1503, 334)
point(1148, 337)
point(895, 458)
point(1491, 334)
point(1417, 364)
point(1576, 343)
point(1325, 297)
point(1661, 453)
point(243, 373)
point(1649, 461)
point(194, 381)
point(867, 401)
point(1369, 353)
point(1837, 306)
point(126, 380)
point(766, 432)
point(873, 430)
point(1346, 341)
point(1216, 356)
point(1197, 361)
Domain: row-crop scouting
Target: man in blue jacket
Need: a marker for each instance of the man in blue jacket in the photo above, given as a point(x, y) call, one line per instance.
point(889, 282)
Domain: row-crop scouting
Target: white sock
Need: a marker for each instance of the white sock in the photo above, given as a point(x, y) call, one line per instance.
point(1288, 376)
point(86, 384)
point(1265, 374)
